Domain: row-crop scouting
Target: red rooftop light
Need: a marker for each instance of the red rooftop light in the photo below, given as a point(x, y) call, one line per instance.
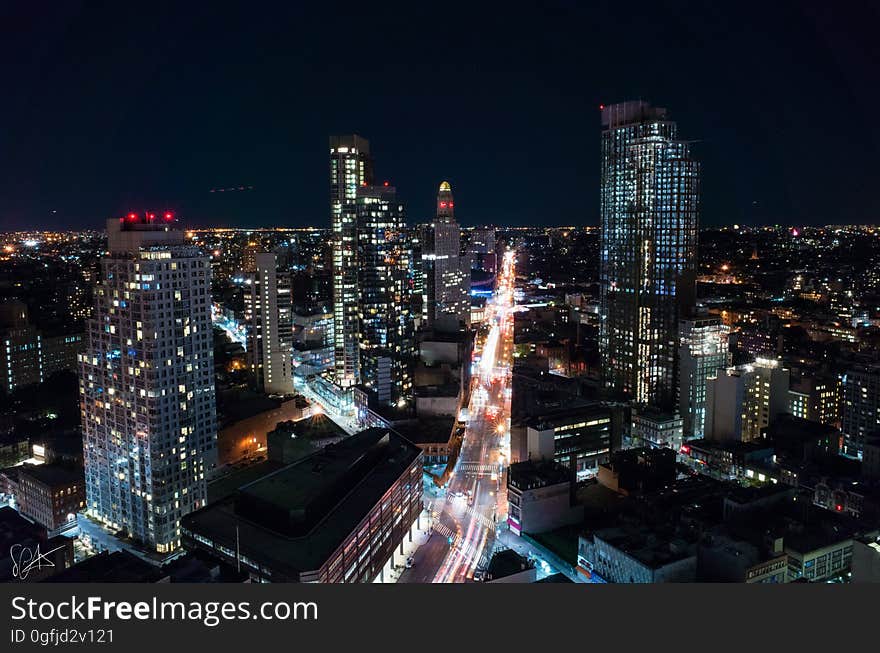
point(385, 184)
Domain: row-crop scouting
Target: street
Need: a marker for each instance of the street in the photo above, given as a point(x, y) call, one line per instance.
point(475, 498)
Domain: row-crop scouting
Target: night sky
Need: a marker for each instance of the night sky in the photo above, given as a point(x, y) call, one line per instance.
point(107, 109)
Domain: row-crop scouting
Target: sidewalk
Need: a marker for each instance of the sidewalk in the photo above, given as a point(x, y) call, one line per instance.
point(419, 534)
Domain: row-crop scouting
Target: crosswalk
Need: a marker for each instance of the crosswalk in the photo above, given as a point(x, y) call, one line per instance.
point(480, 469)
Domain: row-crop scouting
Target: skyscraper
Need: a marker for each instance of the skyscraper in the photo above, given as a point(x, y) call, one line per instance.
point(350, 168)
point(446, 277)
point(269, 314)
point(649, 210)
point(147, 382)
point(702, 354)
point(385, 333)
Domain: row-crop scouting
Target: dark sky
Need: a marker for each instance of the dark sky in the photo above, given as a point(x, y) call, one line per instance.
point(109, 108)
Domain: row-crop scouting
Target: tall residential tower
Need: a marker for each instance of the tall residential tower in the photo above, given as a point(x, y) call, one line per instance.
point(350, 168)
point(649, 209)
point(269, 315)
point(385, 320)
point(147, 383)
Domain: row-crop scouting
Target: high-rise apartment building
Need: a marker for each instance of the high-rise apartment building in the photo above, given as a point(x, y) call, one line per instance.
point(816, 398)
point(702, 352)
point(350, 168)
point(27, 355)
point(742, 400)
point(269, 314)
point(860, 406)
point(446, 273)
point(147, 383)
point(385, 322)
point(649, 209)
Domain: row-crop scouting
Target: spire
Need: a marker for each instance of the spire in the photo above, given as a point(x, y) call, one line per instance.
point(445, 203)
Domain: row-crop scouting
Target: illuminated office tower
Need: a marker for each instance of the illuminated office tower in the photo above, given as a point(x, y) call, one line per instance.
point(350, 168)
point(269, 316)
point(147, 382)
point(702, 352)
point(649, 210)
point(385, 334)
point(446, 274)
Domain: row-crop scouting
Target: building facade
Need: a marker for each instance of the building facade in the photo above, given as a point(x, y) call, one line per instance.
point(650, 196)
point(742, 400)
point(336, 516)
point(817, 399)
point(28, 356)
point(351, 167)
point(269, 315)
point(577, 438)
point(702, 351)
point(51, 495)
point(541, 497)
point(147, 383)
point(446, 284)
point(860, 407)
point(385, 336)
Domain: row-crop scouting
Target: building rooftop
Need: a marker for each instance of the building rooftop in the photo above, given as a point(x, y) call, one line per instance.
point(225, 485)
point(53, 475)
point(298, 515)
point(444, 390)
point(314, 427)
point(563, 416)
point(646, 546)
point(555, 578)
point(532, 474)
point(427, 430)
point(506, 563)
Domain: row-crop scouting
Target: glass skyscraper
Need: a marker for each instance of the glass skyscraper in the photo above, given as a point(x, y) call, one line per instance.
point(386, 329)
point(650, 195)
point(350, 168)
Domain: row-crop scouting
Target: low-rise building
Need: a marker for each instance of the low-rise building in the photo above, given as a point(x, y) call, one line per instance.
point(540, 497)
point(653, 428)
point(510, 567)
point(336, 516)
point(632, 555)
point(633, 471)
point(51, 495)
point(721, 558)
point(580, 438)
point(866, 559)
point(816, 556)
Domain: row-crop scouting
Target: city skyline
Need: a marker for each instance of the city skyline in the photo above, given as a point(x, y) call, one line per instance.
point(407, 391)
point(120, 145)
